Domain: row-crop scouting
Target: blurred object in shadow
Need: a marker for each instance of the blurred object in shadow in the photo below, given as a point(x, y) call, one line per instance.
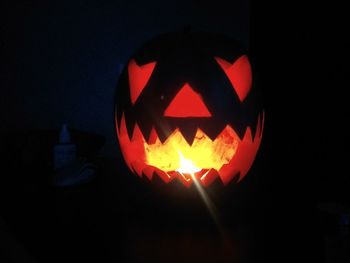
point(76, 172)
point(65, 151)
point(335, 223)
point(28, 158)
point(27, 197)
point(337, 217)
point(13, 251)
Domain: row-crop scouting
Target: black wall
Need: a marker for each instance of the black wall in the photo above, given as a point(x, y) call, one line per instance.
point(301, 50)
point(60, 61)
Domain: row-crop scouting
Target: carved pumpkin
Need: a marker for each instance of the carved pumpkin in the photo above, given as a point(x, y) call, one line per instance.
point(186, 109)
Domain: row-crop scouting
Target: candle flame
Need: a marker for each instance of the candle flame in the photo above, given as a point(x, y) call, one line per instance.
point(187, 166)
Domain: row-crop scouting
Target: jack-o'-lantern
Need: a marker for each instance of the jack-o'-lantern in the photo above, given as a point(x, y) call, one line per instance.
point(187, 109)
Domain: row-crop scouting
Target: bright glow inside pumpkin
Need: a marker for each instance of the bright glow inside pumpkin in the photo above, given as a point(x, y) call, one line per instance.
point(226, 156)
point(186, 166)
point(175, 154)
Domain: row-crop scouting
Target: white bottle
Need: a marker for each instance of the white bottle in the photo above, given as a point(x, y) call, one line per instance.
point(65, 151)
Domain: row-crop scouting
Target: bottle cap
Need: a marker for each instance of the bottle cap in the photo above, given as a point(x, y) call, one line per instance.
point(64, 135)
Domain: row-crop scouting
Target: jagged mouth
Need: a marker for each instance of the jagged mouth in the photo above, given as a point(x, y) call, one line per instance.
point(226, 156)
point(203, 152)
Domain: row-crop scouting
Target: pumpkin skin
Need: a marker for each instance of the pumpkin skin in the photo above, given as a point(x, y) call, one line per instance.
point(188, 97)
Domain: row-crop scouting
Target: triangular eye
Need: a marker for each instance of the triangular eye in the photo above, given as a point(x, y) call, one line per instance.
point(138, 78)
point(187, 103)
point(239, 73)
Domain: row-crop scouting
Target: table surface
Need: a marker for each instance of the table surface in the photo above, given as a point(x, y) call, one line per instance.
point(122, 218)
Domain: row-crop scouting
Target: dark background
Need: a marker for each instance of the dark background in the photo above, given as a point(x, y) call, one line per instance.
point(60, 63)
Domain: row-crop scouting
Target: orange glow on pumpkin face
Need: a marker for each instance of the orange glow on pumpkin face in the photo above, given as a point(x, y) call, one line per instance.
point(186, 166)
point(239, 74)
point(138, 77)
point(187, 103)
point(195, 123)
point(203, 153)
point(225, 157)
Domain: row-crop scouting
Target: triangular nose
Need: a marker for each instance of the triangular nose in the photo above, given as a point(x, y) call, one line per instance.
point(187, 103)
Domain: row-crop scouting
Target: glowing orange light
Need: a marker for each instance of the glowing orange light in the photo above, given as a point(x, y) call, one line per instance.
point(187, 103)
point(203, 153)
point(187, 167)
point(138, 78)
point(239, 74)
point(225, 157)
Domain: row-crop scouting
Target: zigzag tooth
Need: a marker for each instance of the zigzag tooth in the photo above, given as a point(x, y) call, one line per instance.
point(148, 172)
point(248, 135)
point(209, 177)
point(213, 131)
point(257, 128)
point(153, 136)
point(137, 134)
point(189, 133)
point(262, 117)
point(226, 175)
point(130, 126)
point(164, 133)
point(137, 168)
point(122, 128)
point(145, 128)
point(163, 175)
point(185, 181)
